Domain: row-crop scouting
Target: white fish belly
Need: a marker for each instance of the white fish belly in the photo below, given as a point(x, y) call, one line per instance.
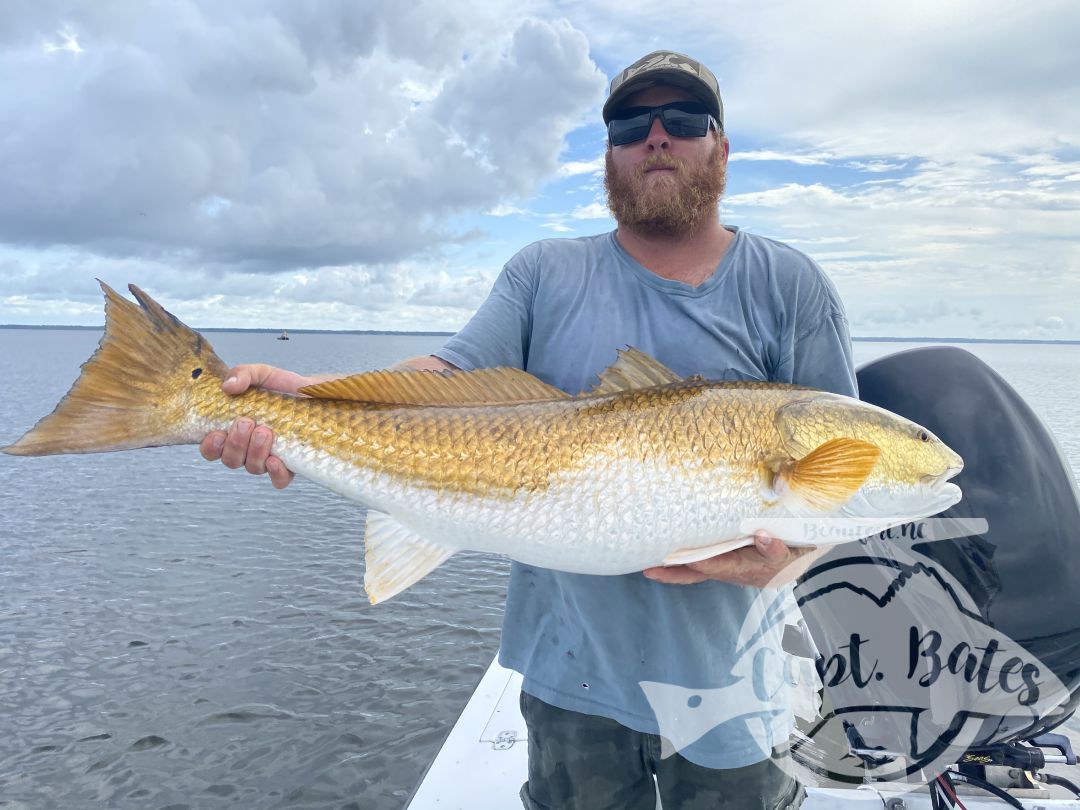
point(605, 518)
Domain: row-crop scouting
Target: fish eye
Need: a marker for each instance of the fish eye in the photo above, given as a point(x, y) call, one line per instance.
point(195, 374)
point(924, 436)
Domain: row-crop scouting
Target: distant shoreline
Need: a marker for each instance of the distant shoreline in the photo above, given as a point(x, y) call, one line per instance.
point(448, 334)
point(252, 329)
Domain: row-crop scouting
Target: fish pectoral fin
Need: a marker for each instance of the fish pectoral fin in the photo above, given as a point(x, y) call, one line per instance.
point(396, 557)
point(634, 369)
point(487, 386)
point(828, 475)
point(685, 556)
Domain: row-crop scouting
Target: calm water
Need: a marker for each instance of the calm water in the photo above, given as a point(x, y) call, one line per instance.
point(174, 634)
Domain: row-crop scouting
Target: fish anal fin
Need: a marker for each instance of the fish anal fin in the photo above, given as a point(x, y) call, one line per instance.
point(633, 369)
point(685, 556)
point(396, 557)
point(489, 386)
point(829, 474)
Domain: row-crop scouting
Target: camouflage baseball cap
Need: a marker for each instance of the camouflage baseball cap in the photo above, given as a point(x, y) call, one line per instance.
point(666, 67)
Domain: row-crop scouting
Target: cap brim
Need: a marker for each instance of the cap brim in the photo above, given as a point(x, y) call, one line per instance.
point(676, 78)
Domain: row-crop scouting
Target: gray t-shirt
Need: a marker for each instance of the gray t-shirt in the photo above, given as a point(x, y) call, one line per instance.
point(560, 309)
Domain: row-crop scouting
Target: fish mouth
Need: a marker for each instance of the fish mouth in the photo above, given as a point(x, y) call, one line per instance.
point(940, 492)
point(940, 481)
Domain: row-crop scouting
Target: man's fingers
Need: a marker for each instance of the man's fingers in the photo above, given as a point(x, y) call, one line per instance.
point(241, 378)
point(768, 563)
point(234, 452)
point(237, 381)
point(245, 444)
point(771, 548)
point(675, 575)
point(258, 450)
point(280, 475)
point(211, 445)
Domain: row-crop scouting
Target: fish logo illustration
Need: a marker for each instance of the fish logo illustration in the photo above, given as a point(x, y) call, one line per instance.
point(893, 674)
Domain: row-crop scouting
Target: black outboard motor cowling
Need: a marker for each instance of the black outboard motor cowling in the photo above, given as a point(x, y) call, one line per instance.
point(1024, 572)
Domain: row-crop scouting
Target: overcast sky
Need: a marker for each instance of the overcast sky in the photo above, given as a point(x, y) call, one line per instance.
point(361, 164)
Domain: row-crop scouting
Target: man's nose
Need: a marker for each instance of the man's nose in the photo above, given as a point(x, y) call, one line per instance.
point(658, 138)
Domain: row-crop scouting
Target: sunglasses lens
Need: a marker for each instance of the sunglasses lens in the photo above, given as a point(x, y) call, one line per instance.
point(628, 130)
point(680, 119)
point(683, 124)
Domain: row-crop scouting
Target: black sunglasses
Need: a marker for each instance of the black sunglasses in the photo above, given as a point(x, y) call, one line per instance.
point(681, 119)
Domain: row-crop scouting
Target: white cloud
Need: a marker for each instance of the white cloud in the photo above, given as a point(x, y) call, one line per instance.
point(575, 167)
point(772, 154)
point(464, 292)
point(874, 165)
point(870, 79)
point(815, 159)
point(788, 195)
point(915, 257)
point(1050, 166)
point(59, 288)
point(354, 159)
point(803, 242)
point(594, 210)
point(505, 210)
point(67, 42)
point(332, 135)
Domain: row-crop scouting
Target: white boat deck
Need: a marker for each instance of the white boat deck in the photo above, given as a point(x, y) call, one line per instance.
point(483, 763)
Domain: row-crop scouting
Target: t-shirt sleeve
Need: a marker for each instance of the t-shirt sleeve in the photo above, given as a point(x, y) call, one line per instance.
point(498, 333)
point(819, 354)
point(822, 357)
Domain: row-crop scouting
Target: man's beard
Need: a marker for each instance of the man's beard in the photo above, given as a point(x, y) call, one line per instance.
point(653, 208)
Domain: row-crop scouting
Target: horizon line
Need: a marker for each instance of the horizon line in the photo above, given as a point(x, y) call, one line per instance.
point(433, 333)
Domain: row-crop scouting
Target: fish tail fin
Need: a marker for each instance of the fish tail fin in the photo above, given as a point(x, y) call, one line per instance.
point(136, 390)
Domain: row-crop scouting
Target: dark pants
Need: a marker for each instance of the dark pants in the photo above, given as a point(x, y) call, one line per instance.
point(582, 762)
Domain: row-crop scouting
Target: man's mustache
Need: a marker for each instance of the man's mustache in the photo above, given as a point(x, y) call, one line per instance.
point(660, 161)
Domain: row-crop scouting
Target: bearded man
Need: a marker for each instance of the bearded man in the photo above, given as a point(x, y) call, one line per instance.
point(703, 298)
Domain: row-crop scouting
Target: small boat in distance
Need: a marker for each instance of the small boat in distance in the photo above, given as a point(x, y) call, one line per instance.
point(283, 336)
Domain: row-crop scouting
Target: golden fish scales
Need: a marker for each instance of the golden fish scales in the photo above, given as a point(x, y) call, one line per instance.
point(497, 450)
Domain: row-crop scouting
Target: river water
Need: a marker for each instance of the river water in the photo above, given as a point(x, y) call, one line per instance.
point(174, 634)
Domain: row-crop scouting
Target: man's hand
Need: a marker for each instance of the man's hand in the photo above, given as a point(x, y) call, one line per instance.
point(768, 562)
point(246, 444)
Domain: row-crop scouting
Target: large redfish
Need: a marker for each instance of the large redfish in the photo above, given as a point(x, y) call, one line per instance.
point(645, 469)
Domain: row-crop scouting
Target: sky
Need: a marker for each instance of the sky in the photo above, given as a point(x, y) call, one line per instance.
point(372, 164)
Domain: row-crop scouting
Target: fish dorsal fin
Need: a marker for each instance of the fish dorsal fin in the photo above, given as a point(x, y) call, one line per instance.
point(488, 386)
point(396, 557)
point(829, 474)
point(633, 369)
